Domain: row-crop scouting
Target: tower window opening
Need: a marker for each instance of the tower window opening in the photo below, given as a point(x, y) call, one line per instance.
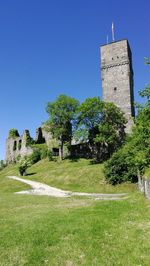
point(15, 145)
point(115, 88)
point(19, 144)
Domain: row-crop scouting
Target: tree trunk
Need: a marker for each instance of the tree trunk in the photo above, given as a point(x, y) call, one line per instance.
point(140, 182)
point(61, 149)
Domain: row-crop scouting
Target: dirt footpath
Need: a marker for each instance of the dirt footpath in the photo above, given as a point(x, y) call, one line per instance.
point(45, 190)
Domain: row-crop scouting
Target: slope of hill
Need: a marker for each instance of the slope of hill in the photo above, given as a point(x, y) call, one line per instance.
point(79, 175)
point(42, 230)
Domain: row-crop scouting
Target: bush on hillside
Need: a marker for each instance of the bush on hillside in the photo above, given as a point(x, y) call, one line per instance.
point(121, 167)
point(24, 164)
point(35, 156)
point(50, 155)
point(13, 133)
point(44, 152)
point(2, 165)
point(40, 151)
point(134, 156)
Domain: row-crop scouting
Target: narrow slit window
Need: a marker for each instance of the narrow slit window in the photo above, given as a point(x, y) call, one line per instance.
point(19, 144)
point(15, 145)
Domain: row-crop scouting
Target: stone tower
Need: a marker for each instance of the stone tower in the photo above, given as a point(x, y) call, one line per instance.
point(117, 77)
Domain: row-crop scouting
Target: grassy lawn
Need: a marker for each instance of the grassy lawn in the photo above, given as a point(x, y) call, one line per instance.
point(41, 230)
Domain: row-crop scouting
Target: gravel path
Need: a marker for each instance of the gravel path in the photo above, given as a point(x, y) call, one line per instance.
point(42, 189)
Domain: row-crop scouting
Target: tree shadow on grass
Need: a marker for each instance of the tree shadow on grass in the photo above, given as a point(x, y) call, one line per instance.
point(94, 161)
point(30, 174)
point(74, 159)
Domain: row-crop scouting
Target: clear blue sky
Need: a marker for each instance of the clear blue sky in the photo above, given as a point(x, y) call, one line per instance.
point(50, 47)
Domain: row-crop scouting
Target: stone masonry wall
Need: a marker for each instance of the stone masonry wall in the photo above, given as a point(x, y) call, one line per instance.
point(117, 77)
point(17, 146)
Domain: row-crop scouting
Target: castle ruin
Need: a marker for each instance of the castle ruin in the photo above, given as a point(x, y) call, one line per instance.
point(117, 87)
point(19, 146)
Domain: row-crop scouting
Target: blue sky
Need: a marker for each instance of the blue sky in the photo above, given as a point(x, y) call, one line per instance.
point(50, 47)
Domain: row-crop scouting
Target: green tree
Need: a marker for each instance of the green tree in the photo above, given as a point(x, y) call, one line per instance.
point(111, 131)
point(135, 155)
point(104, 124)
point(62, 116)
point(145, 93)
point(147, 60)
point(89, 117)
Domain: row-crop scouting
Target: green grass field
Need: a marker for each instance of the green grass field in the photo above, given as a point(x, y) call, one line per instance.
point(41, 230)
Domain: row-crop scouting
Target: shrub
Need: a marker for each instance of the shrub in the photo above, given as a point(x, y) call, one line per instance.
point(41, 151)
point(44, 152)
point(2, 165)
point(35, 156)
point(127, 162)
point(24, 164)
point(13, 133)
point(121, 167)
point(28, 139)
point(22, 170)
point(18, 158)
point(49, 155)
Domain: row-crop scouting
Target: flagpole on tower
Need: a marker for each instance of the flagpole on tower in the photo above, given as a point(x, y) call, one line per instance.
point(113, 32)
point(107, 39)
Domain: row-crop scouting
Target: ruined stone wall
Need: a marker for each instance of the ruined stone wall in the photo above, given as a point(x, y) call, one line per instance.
point(49, 139)
point(117, 77)
point(18, 146)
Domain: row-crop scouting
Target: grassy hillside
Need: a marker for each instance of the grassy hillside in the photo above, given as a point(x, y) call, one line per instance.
point(6, 185)
point(78, 175)
point(41, 230)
